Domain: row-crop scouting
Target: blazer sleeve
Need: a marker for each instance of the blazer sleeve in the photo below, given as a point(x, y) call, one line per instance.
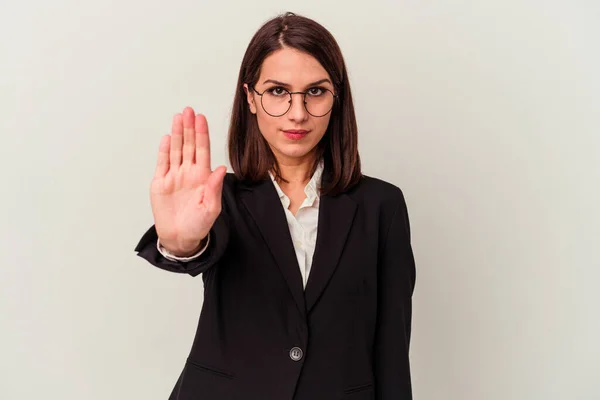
point(167, 254)
point(219, 238)
point(397, 276)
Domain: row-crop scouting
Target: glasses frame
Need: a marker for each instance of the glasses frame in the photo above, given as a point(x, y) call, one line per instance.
point(335, 96)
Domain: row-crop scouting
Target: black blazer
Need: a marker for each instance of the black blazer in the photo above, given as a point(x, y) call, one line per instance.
point(262, 336)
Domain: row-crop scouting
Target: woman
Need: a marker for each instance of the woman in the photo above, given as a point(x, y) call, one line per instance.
point(307, 265)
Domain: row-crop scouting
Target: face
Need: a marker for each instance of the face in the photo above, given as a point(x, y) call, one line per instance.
point(294, 71)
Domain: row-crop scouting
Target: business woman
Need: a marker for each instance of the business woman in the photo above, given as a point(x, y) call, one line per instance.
point(307, 264)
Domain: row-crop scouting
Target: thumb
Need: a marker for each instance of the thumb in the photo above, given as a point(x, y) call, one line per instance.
point(214, 188)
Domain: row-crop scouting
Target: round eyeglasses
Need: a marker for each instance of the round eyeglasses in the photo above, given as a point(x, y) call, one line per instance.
point(277, 101)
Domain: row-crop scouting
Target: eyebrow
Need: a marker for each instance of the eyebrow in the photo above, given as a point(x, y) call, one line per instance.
point(288, 85)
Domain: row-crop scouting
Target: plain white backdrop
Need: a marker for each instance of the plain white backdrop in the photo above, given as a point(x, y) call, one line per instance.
point(485, 113)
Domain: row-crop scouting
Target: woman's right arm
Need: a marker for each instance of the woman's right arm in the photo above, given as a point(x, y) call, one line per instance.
point(186, 198)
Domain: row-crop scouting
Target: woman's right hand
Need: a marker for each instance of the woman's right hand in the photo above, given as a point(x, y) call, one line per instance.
point(185, 193)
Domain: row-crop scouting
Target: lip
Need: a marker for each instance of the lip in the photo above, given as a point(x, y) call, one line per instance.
point(295, 134)
point(296, 131)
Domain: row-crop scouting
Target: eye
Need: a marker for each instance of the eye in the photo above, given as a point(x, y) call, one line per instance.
point(316, 91)
point(277, 91)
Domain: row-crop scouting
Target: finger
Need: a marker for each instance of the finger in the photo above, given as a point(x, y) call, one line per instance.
point(176, 141)
point(214, 188)
point(162, 162)
point(189, 146)
point(202, 142)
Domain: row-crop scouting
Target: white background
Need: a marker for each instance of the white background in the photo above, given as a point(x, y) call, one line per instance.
point(485, 113)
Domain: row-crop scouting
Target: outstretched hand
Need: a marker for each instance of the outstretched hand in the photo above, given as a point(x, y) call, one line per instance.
point(185, 193)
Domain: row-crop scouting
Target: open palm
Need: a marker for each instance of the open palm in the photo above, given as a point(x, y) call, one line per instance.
point(185, 193)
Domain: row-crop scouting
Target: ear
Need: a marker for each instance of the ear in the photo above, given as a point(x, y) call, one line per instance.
point(250, 98)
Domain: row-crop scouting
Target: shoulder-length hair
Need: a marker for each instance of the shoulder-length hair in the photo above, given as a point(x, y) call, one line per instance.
point(249, 153)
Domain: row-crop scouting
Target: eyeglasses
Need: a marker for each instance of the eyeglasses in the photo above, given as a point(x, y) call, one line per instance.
point(277, 101)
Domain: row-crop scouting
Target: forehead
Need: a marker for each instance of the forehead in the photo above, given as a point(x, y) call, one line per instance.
point(292, 66)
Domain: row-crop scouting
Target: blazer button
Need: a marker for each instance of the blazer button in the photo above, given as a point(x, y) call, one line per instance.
point(296, 353)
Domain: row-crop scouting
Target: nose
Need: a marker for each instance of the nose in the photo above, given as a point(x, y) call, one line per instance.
point(297, 110)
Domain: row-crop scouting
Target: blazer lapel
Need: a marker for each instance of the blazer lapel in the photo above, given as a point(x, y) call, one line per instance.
point(264, 205)
point(335, 220)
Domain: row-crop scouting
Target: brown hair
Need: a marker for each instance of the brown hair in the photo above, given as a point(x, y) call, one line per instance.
point(249, 153)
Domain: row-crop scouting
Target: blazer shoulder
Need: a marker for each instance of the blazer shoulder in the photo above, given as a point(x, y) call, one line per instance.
point(233, 187)
point(390, 202)
point(386, 194)
point(230, 188)
point(231, 184)
point(230, 181)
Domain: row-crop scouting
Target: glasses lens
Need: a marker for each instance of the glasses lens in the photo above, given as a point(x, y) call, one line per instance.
point(319, 102)
point(276, 102)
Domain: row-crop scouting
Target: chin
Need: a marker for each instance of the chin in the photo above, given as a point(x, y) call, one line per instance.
point(295, 151)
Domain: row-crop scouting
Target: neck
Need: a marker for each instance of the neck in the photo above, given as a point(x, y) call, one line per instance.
point(296, 171)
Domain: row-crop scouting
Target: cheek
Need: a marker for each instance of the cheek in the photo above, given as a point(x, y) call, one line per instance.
point(321, 125)
point(267, 126)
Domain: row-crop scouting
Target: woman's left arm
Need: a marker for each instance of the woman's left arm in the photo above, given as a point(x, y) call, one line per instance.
point(397, 276)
